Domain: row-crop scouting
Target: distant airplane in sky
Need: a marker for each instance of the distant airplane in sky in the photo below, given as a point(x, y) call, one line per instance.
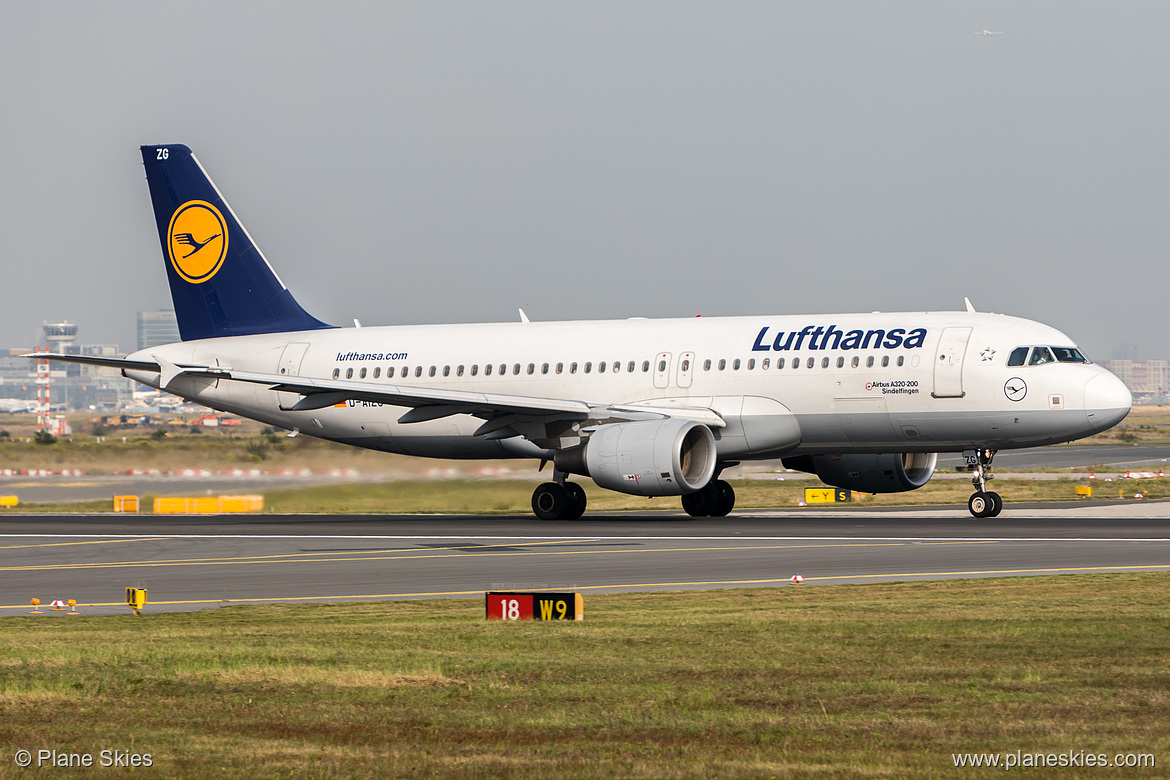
point(989, 32)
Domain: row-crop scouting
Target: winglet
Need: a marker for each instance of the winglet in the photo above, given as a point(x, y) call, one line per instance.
point(523, 316)
point(970, 308)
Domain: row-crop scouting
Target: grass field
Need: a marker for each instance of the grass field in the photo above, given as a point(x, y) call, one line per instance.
point(412, 496)
point(873, 681)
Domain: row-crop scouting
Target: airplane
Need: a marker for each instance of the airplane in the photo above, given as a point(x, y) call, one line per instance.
point(648, 407)
point(17, 406)
point(989, 32)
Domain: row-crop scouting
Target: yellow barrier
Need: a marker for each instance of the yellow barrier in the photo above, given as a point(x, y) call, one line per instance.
point(1084, 491)
point(125, 503)
point(208, 505)
point(7, 501)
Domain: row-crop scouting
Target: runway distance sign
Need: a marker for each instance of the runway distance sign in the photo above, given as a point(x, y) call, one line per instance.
point(533, 606)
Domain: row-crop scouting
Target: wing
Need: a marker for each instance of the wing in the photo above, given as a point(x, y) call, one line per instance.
point(536, 418)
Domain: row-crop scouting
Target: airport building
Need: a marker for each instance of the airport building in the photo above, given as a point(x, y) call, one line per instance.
point(1148, 380)
point(73, 386)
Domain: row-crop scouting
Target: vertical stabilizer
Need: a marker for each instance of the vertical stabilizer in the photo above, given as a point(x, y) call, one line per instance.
point(221, 284)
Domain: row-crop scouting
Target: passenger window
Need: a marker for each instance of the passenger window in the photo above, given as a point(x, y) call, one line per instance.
point(516, 369)
point(377, 371)
point(840, 362)
point(446, 370)
point(503, 369)
point(459, 371)
point(885, 360)
point(767, 362)
point(487, 370)
point(901, 360)
point(779, 362)
point(531, 368)
point(588, 367)
point(855, 362)
point(349, 373)
point(707, 364)
point(661, 365)
point(544, 368)
point(362, 373)
point(722, 364)
point(336, 373)
point(1040, 356)
point(1018, 356)
point(812, 362)
point(686, 366)
point(751, 363)
point(735, 365)
point(601, 367)
point(869, 362)
point(475, 369)
point(824, 362)
point(431, 372)
point(390, 372)
point(646, 365)
point(417, 371)
point(560, 367)
point(617, 366)
point(572, 368)
point(631, 366)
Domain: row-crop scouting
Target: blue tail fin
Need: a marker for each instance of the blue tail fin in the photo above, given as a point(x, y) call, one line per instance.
point(221, 284)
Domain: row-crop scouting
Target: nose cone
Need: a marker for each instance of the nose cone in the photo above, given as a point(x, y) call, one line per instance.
point(1107, 401)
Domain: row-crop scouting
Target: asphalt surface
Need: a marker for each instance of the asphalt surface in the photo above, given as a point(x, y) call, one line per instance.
point(199, 562)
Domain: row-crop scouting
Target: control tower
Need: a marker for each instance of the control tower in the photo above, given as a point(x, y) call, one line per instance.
point(60, 336)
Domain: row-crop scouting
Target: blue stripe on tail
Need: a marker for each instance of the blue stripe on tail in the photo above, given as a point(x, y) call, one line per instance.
point(220, 282)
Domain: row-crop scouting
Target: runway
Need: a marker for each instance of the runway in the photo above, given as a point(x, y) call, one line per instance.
point(200, 562)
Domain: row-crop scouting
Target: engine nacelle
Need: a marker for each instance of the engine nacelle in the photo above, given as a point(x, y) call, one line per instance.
point(648, 458)
point(886, 473)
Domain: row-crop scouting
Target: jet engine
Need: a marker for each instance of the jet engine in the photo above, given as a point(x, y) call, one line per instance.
point(886, 473)
point(647, 458)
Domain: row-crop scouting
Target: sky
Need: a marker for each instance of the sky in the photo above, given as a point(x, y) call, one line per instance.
point(423, 162)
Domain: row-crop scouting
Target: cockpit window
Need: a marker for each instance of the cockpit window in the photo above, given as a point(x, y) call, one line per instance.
point(1018, 356)
point(1040, 356)
point(1069, 355)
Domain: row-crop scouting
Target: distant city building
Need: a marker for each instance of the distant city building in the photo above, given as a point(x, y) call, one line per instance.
point(157, 327)
point(1148, 380)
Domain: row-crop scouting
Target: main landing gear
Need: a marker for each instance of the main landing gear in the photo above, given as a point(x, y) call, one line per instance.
point(984, 503)
point(714, 500)
point(559, 500)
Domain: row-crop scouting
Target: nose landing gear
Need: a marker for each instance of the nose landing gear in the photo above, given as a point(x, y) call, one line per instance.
point(984, 502)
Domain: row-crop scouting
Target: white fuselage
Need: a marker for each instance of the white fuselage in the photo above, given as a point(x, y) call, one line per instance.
point(791, 384)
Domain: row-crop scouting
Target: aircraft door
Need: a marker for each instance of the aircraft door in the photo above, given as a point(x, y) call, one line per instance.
point(290, 365)
point(662, 370)
point(948, 365)
point(686, 368)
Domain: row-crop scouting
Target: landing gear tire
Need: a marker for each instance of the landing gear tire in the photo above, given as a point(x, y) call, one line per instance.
point(997, 500)
point(550, 501)
point(724, 499)
point(983, 504)
point(716, 499)
point(577, 501)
